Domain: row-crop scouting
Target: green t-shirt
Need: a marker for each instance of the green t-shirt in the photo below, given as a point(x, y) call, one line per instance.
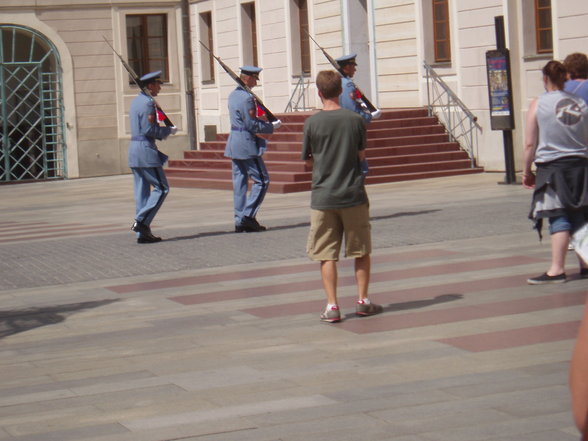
point(334, 138)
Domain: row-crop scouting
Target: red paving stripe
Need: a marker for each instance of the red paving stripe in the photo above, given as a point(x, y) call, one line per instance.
point(275, 271)
point(455, 267)
point(17, 225)
point(492, 341)
point(90, 232)
point(396, 300)
point(450, 268)
point(52, 228)
point(392, 322)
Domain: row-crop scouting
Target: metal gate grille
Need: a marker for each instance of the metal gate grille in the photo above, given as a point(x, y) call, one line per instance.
point(32, 144)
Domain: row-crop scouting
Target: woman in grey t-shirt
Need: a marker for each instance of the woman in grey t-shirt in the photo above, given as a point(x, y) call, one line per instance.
point(556, 140)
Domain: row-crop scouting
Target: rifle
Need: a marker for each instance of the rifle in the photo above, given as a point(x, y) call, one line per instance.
point(270, 116)
point(139, 83)
point(339, 69)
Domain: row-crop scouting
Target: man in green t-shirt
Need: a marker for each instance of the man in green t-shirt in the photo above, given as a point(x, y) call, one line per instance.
point(334, 145)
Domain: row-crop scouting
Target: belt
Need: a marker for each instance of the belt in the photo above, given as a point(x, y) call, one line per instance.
point(238, 129)
point(141, 138)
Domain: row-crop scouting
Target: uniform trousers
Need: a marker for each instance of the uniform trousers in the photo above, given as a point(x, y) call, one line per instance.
point(243, 169)
point(151, 188)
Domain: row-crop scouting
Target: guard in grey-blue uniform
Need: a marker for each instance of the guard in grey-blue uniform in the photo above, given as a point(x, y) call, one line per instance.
point(245, 149)
point(350, 96)
point(145, 160)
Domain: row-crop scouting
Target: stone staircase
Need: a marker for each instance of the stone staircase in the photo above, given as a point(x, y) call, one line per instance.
point(402, 145)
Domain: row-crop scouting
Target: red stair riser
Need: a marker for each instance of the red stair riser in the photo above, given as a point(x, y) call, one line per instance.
point(404, 144)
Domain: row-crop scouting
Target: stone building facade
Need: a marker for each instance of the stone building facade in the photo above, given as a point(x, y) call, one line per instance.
point(393, 39)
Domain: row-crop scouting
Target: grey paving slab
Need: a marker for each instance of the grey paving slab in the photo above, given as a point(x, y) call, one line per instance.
point(500, 407)
point(457, 418)
point(425, 386)
point(548, 435)
point(227, 412)
point(502, 385)
point(348, 428)
point(485, 431)
point(535, 403)
point(73, 384)
point(35, 397)
point(221, 428)
point(42, 434)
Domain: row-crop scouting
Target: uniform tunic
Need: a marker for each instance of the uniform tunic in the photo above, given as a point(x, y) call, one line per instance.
point(245, 149)
point(348, 99)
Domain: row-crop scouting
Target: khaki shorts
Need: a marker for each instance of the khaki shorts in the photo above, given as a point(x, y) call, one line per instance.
point(327, 228)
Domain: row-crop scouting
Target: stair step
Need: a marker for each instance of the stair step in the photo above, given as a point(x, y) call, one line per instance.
point(225, 163)
point(220, 184)
point(403, 122)
point(209, 173)
point(292, 187)
point(294, 165)
point(404, 144)
point(293, 154)
point(374, 127)
point(299, 176)
point(371, 143)
point(391, 132)
point(373, 133)
point(187, 182)
point(422, 175)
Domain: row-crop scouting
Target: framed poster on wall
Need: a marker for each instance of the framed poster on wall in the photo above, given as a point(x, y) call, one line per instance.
point(500, 89)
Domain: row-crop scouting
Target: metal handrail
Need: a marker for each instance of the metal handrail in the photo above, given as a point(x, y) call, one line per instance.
point(460, 123)
point(299, 94)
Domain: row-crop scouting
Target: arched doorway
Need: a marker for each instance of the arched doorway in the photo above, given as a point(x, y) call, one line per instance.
point(32, 144)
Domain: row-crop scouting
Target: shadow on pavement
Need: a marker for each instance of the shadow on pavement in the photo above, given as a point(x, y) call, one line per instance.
point(402, 214)
point(15, 321)
point(296, 225)
point(415, 304)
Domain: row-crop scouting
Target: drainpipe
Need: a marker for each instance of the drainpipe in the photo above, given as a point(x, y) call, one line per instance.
point(344, 25)
point(190, 116)
point(373, 53)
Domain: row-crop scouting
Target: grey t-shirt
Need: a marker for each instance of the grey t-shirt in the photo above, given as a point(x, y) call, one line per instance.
point(334, 138)
point(563, 126)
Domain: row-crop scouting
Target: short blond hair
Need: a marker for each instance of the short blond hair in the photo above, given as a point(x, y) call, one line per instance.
point(328, 82)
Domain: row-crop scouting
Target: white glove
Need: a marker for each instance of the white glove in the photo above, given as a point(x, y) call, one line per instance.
point(277, 124)
point(376, 114)
point(173, 130)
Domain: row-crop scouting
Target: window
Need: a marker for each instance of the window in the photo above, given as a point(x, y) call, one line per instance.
point(300, 39)
point(206, 59)
point(249, 27)
point(442, 42)
point(543, 26)
point(147, 44)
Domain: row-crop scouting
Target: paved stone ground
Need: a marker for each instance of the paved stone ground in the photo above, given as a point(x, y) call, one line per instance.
point(212, 335)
